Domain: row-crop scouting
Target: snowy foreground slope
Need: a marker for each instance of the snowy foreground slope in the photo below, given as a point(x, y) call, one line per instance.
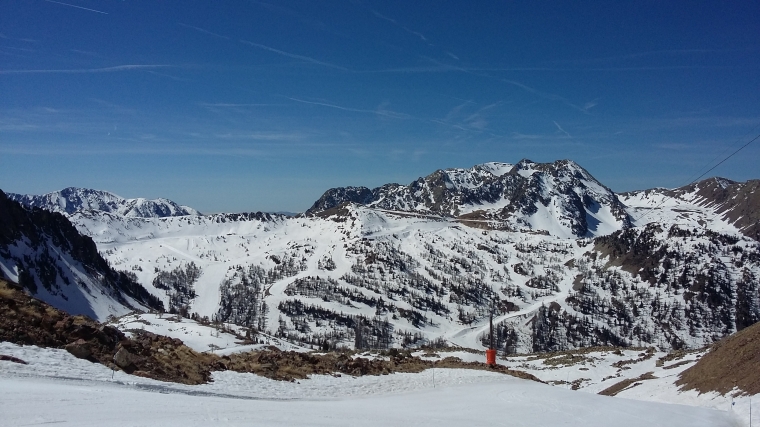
point(78, 393)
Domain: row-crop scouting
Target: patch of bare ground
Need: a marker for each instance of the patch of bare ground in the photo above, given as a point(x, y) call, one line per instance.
point(290, 365)
point(733, 362)
point(573, 356)
point(27, 321)
point(642, 357)
point(626, 384)
point(12, 359)
point(675, 355)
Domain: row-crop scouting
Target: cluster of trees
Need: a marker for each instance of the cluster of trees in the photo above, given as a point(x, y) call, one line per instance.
point(328, 289)
point(242, 294)
point(674, 288)
point(179, 286)
point(336, 328)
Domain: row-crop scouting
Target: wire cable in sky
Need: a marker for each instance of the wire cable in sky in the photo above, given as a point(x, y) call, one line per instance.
point(700, 176)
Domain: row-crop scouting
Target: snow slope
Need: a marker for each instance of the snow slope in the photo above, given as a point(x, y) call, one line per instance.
point(79, 393)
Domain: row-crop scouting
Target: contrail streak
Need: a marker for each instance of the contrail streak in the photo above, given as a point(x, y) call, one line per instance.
point(78, 7)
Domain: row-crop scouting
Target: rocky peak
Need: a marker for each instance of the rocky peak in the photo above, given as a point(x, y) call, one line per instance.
point(560, 197)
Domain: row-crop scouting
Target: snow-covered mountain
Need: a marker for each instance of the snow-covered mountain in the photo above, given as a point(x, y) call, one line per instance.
point(46, 255)
point(560, 198)
point(734, 203)
point(401, 279)
point(72, 199)
point(565, 262)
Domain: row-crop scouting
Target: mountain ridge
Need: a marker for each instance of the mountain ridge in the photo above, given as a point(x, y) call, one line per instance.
point(559, 197)
point(73, 199)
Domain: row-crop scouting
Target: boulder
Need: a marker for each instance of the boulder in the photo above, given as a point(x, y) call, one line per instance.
point(79, 348)
point(123, 358)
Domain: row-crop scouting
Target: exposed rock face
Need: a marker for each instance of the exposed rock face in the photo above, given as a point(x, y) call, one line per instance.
point(124, 359)
point(559, 197)
point(45, 254)
point(72, 199)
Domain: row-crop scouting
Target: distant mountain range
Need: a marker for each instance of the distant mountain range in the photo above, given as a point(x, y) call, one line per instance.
point(73, 199)
point(564, 261)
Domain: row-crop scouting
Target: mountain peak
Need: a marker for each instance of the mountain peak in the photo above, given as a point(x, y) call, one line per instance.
point(560, 197)
point(74, 199)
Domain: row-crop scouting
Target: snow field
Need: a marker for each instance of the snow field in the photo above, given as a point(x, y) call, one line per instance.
point(79, 393)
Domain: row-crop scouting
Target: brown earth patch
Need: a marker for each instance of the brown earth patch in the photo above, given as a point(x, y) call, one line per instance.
point(677, 364)
point(12, 359)
point(622, 385)
point(732, 362)
point(27, 321)
point(290, 365)
point(585, 350)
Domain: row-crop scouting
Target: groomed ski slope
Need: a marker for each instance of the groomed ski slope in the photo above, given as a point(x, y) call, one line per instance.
point(56, 388)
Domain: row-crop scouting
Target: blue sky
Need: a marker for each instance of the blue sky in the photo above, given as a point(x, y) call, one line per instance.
point(263, 105)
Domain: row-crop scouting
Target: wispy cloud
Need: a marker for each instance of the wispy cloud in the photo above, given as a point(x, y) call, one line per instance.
point(114, 69)
point(591, 104)
point(666, 52)
point(262, 136)
point(454, 112)
point(379, 111)
point(229, 105)
point(78, 7)
point(294, 56)
point(83, 52)
point(394, 22)
point(441, 67)
point(192, 27)
point(675, 146)
point(169, 76)
point(545, 95)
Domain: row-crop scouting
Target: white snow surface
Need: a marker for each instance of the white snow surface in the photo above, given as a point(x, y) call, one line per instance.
point(56, 388)
point(199, 337)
